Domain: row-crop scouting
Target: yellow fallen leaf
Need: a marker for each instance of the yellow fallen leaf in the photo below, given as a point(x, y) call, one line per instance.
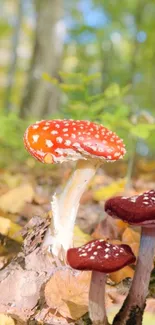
point(149, 318)
point(67, 292)
point(105, 192)
point(6, 320)
point(10, 229)
point(12, 180)
point(130, 236)
point(121, 224)
point(80, 238)
point(135, 248)
point(126, 272)
point(14, 200)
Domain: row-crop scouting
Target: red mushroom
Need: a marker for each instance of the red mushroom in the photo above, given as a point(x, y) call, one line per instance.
point(138, 211)
point(100, 257)
point(56, 141)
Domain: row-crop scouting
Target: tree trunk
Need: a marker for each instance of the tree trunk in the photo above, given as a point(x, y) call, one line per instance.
point(40, 97)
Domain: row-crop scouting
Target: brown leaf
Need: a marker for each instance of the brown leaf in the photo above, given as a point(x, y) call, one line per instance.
point(14, 200)
point(126, 272)
point(50, 317)
point(67, 292)
point(109, 228)
point(29, 210)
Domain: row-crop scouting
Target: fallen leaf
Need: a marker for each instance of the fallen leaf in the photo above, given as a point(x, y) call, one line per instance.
point(67, 292)
point(105, 192)
point(14, 200)
point(149, 318)
point(10, 229)
point(109, 228)
point(6, 320)
point(12, 180)
point(130, 236)
point(135, 248)
point(50, 317)
point(126, 272)
point(29, 210)
point(80, 238)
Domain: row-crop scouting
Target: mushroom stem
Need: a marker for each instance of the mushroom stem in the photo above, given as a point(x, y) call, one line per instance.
point(134, 305)
point(97, 311)
point(65, 207)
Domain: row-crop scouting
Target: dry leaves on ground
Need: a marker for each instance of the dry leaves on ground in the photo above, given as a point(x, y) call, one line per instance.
point(115, 188)
point(14, 200)
point(10, 229)
point(67, 292)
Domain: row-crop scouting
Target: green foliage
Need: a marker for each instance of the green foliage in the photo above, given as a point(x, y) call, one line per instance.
point(12, 129)
point(108, 107)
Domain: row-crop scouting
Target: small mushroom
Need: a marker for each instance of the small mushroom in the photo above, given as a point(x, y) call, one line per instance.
point(57, 141)
point(138, 211)
point(101, 258)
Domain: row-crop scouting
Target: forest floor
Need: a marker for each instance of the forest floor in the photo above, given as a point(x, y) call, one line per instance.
point(26, 192)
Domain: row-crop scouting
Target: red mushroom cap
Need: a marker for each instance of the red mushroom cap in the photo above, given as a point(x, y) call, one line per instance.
point(55, 141)
point(98, 255)
point(136, 210)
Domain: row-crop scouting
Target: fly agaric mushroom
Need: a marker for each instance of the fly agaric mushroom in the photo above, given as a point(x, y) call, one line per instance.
point(100, 257)
point(138, 211)
point(57, 141)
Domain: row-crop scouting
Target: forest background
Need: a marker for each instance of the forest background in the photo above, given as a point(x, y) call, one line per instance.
point(81, 59)
point(84, 59)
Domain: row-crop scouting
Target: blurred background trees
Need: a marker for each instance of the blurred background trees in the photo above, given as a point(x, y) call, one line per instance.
point(87, 59)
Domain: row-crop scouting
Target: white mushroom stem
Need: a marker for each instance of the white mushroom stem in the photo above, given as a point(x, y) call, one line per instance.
point(65, 207)
point(134, 304)
point(97, 310)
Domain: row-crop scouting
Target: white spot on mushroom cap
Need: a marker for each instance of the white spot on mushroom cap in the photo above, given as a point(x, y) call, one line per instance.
point(54, 132)
point(49, 143)
point(35, 126)
point(35, 137)
point(59, 140)
point(67, 143)
point(83, 254)
point(92, 257)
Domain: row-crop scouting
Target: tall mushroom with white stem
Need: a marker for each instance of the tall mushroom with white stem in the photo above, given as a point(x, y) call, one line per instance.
point(136, 210)
point(101, 258)
point(57, 141)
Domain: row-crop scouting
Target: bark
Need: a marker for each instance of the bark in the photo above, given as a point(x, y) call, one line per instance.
point(42, 98)
point(14, 56)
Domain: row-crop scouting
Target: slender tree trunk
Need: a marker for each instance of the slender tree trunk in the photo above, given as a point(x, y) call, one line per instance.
point(41, 98)
point(14, 56)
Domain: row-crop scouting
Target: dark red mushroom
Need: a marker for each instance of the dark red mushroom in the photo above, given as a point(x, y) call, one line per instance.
point(100, 257)
point(56, 141)
point(138, 211)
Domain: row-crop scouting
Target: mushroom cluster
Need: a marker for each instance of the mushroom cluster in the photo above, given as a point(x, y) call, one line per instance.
point(57, 141)
point(138, 211)
point(101, 258)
